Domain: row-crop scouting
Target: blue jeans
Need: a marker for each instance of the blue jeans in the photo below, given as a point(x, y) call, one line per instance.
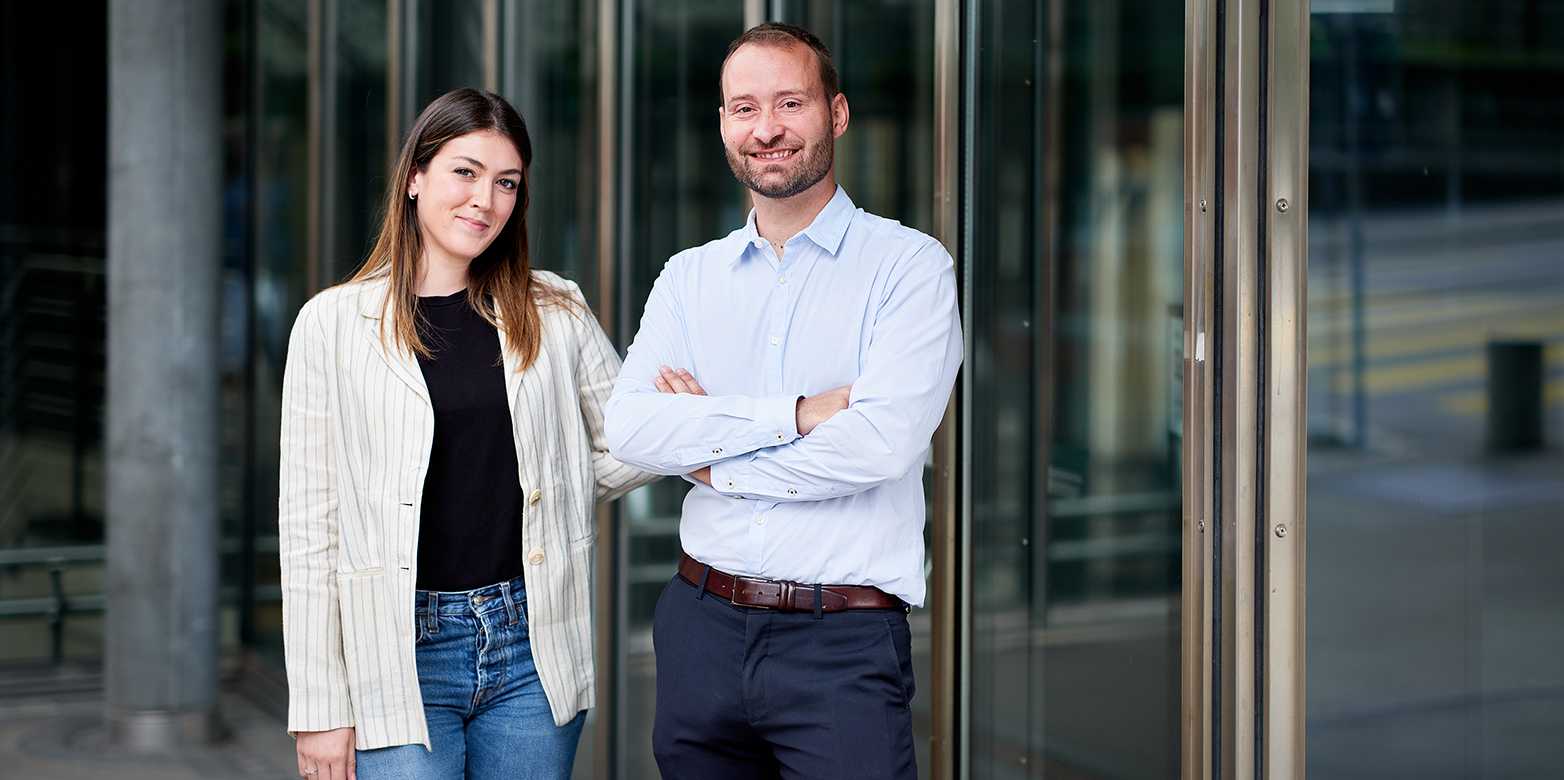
point(487, 715)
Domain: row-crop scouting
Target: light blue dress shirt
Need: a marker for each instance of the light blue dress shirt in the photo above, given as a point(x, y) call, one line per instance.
point(855, 299)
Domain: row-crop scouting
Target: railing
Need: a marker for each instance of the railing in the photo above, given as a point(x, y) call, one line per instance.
point(58, 606)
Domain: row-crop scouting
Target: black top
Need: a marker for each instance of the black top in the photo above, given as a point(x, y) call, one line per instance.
point(470, 535)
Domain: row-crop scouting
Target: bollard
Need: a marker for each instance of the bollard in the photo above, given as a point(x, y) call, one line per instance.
point(1514, 396)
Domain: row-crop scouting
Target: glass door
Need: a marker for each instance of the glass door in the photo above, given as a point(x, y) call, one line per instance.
point(1436, 389)
point(1073, 257)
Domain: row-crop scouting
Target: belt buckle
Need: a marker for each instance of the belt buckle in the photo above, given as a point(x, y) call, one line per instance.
point(782, 591)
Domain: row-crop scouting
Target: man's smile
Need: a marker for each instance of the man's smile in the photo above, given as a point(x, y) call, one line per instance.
point(776, 155)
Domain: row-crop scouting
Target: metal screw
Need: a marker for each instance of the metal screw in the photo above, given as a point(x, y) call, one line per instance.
point(1202, 205)
point(1281, 531)
point(1281, 204)
point(1201, 526)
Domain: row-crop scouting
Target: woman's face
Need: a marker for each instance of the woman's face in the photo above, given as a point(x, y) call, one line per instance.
point(466, 194)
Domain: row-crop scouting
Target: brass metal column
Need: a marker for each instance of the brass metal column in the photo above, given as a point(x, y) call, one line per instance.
point(1246, 147)
point(948, 586)
point(1286, 210)
point(1201, 116)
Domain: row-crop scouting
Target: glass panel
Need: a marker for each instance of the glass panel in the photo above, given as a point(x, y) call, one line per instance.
point(52, 320)
point(1436, 389)
point(884, 56)
point(681, 194)
point(450, 49)
point(278, 286)
point(238, 556)
point(358, 156)
point(550, 51)
point(1075, 281)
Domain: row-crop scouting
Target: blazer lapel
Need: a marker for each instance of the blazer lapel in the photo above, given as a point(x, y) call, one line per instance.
point(403, 363)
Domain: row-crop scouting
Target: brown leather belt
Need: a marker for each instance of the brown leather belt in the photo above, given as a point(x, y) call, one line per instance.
point(782, 595)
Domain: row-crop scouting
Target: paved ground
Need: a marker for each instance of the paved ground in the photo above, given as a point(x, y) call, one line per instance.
point(62, 737)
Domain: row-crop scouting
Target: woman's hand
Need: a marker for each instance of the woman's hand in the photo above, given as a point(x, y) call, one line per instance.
point(326, 755)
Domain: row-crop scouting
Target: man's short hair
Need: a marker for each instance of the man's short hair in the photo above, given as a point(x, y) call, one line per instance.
point(780, 34)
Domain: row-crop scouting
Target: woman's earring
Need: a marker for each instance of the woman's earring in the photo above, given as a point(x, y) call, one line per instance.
point(412, 196)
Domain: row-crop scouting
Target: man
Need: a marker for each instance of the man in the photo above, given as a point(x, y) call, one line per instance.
point(794, 372)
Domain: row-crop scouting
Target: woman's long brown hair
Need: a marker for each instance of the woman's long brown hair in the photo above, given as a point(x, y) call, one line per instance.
point(499, 281)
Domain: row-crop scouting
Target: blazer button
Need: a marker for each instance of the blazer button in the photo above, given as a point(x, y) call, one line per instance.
point(536, 556)
point(535, 496)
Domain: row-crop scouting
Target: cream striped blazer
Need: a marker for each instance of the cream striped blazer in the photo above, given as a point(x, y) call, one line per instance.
point(357, 428)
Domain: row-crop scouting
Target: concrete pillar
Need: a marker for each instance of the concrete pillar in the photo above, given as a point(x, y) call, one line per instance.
point(165, 222)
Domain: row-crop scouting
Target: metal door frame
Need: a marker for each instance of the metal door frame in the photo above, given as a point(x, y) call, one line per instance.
point(1246, 224)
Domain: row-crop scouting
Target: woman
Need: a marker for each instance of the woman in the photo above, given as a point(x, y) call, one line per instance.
point(441, 454)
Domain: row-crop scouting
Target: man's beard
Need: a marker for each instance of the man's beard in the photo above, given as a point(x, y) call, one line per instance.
point(809, 171)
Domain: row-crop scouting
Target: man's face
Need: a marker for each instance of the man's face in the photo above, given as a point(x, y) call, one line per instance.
point(777, 126)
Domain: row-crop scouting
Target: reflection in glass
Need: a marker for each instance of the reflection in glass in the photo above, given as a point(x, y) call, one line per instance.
point(357, 155)
point(550, 51)
point(1075, 231)
point(278, 283)
point(1436, 378)
point(450, 49)
point(52, 320)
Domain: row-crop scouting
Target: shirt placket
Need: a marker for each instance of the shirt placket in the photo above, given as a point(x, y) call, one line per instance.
point(780, 300)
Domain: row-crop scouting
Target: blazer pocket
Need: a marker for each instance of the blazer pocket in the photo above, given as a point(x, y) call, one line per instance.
point(367, 633)
point(361, 525)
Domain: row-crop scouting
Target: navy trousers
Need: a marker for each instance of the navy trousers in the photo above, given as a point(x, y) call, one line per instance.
point(755, 693)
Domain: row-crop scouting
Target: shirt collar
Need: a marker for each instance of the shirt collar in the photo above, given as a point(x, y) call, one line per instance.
point(826, 231)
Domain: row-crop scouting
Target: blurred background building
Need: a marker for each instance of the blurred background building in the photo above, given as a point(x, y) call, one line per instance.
point(1075, 156)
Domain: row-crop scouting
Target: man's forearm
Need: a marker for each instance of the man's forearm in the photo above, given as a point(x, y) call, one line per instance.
point(677, 433)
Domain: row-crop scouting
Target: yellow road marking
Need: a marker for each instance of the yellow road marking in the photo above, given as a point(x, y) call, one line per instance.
point(1325, 353)
point(1474, 403)
point(1423, 310)
point(1383, 380)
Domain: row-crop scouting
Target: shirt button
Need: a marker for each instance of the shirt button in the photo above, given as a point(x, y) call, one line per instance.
point(792, 491)
point(730, 484)
point(716, 450)
point(535, 497)
point(536, 556)
point(760, 520)
point(781, 280)
point(775, 341)
point(780, 437)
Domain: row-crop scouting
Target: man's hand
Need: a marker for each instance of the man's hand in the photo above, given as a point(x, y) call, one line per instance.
point(327, 755)
point(810, 411)
point(671, 380)
point(817, 409)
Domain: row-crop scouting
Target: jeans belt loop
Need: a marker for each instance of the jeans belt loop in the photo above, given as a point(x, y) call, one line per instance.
point(819, 604)
point(510, 602)
point(432, 619)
